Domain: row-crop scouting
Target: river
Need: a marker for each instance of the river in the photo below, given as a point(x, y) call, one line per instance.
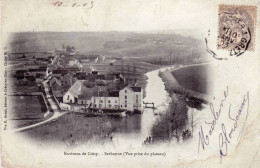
point(136, 128)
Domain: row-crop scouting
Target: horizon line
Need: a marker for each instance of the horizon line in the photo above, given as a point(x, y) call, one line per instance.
point(105, 31)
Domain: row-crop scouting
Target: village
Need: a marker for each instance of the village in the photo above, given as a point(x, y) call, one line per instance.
point(127, 89)
point(76, 84)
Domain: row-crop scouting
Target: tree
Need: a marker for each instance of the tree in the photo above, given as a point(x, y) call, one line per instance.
point(193, 104)
point(172, 122)
point(186, 134)
point(68, 48)
point(73, 48)
point(193, 121)
point(179, 116)
point(170, 51)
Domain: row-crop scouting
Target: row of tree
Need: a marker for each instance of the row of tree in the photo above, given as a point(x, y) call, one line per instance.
point(69, 48)
point(174, 123)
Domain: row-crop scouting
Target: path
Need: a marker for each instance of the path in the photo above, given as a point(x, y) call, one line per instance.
point(53, 106)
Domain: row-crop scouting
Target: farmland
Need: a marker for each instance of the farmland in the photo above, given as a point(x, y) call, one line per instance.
point(195, 78)
point(26, 109)
point(153, 48)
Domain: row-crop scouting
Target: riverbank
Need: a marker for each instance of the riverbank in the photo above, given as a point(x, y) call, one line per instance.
point(173, 86)
point(179, 119)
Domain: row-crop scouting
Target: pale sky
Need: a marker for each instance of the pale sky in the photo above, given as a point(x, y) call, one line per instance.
point(109, 15)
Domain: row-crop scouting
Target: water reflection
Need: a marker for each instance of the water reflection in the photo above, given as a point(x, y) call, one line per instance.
point(128, 124)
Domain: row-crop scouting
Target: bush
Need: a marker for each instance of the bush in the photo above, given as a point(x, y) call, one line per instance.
point(172, 122)
point(186, 134)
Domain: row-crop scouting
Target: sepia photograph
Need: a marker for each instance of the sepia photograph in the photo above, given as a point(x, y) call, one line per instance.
point(106, 87)
point(141, 83)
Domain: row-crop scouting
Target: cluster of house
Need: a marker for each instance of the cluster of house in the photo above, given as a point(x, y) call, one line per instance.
point(81, 96)
point(93, 59)
point(44, 60)
point(33, 74)
point(91, 90)
point(80, 88)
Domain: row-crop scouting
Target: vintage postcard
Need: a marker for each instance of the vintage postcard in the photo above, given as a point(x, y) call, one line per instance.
point(130, 83)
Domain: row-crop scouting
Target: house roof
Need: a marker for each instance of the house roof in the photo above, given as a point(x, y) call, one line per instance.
point(85, 97)
point(113, 93)
point(136, 89)
point(76, 89)
point(37, 70)
point(21, 71)
point(101, 83)
point(38, 75)
point(90, 57)
point(87, 69)
point(95, 72)
point(51, 67)
point(65, 60)
point(60, 71)
point(102, 77)
point(43, 67)
point(80, 90)
point(57, 93)
point(109, 77)
point(74, 67)
point(106, 93)
point(54, 80)
point(101, 94)
point(67, 76)
point(81, 75)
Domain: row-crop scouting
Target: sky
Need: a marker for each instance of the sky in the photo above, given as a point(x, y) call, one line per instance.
point(108, 15)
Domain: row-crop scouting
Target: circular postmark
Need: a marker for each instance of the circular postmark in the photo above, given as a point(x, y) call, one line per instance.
point(234, 33)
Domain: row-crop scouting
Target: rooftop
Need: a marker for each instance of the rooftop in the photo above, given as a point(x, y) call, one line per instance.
point(113, 93)
point(80, 90)
point(136, 89)
point(60, 71)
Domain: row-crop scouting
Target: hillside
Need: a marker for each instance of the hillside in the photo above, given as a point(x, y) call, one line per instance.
point(153, 48)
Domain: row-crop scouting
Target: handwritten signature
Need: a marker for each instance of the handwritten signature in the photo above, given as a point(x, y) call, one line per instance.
point(225, 137)
point(74, 4)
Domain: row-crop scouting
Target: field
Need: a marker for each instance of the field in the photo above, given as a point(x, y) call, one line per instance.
point(153, 48)
point(26, 110)
point(196, 78)
point(73, 129)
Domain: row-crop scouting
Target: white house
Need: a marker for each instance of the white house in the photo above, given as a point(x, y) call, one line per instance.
point(131, 98)
point(108, 101)
point(137, 98)
point(72, 95)
point(85, 100)
point(72, 62)
point(126, 99)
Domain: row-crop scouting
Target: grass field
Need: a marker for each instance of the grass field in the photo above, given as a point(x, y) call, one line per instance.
point(196, 78)
point(26, 109)
point(75, 128)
